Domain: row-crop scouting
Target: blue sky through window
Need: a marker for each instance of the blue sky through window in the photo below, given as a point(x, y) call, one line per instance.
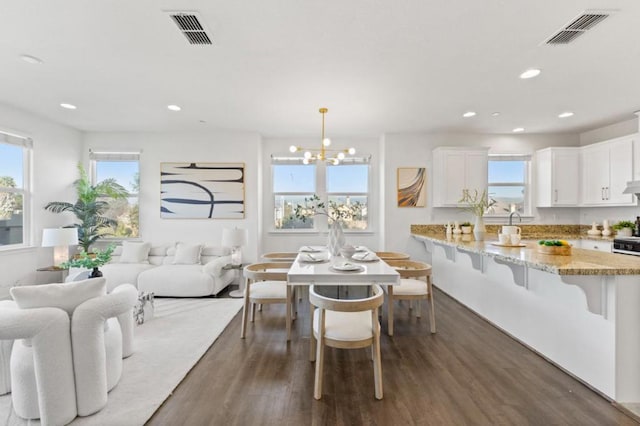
point(349, 178)
point(122, 171)
point(11, 162)
point(294, 178)
point(506, 171)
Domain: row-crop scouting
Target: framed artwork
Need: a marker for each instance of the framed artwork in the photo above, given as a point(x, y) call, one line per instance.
point(202, 191)
point(412, 186)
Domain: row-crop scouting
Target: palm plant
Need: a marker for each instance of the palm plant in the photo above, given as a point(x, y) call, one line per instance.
point(90, 207)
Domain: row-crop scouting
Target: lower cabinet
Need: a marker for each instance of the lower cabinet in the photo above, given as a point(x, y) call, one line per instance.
point(596, 245)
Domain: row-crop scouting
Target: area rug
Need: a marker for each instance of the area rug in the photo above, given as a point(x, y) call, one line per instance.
point(167, 347)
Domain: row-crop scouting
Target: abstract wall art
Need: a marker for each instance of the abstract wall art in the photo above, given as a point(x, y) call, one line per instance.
point(202, 190)
point(412, 186)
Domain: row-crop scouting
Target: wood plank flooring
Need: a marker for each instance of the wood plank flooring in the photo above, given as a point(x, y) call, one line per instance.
point(469, 373)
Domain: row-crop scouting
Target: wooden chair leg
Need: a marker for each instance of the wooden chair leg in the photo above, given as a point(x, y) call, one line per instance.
point(245, 312)
point(432, 311)
point(390, 310)
point(288, 309)
point(418, 308)
point(253, 312)
point(259, 307)
point(317, 388)
point(377, 363)
point(312, 339)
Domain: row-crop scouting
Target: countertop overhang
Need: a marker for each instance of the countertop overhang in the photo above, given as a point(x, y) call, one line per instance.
point(580, 262)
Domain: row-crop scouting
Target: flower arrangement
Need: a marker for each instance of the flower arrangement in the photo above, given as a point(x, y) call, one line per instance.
point(477, 203)
point(336, 211)
point(90, 261)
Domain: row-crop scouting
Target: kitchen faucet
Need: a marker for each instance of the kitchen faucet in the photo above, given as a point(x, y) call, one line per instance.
point(511, 217)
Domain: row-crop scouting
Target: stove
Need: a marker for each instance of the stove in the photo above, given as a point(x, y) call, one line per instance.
point(626, 245)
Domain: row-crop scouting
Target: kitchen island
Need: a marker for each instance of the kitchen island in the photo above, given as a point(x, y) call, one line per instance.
point(582, 311)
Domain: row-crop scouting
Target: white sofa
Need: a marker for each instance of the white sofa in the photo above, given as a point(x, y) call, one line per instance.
point(173, 270)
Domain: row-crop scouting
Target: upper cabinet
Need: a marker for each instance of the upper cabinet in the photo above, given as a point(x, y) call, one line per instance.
point(606, 169)
point(456, 170)
point(556, 177)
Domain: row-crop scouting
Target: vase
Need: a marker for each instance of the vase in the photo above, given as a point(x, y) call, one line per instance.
point(336, 238)
point(96, 273)
point(478, 229)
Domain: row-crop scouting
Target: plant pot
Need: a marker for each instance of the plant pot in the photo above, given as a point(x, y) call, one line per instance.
point(466, 229)
point(96, 273)
point(478, 229)
point(624, 232)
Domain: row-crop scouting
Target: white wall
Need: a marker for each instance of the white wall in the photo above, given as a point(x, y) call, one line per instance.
point(612, 131)
point(214, 146)
point(56, 152)
point(404, 150)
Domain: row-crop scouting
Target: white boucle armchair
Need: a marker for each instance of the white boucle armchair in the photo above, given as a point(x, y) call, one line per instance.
point(71, 352)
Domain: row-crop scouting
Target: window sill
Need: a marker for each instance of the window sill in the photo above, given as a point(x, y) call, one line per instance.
point(17, 249)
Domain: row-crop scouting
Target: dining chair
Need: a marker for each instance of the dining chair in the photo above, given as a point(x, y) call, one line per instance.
point(266, 283)
point(288, 256)
point(415, 284)
point(391, 255)
point(345, 324)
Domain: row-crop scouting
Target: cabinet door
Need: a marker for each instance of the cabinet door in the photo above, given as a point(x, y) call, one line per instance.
point(595, 174)
point(620, 172)
point(453, 179)
point(564, 178)
point(475, 170)
point(596, 245)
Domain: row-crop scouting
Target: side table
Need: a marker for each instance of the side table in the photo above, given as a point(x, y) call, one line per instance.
point(240, 291)
point(57, 278)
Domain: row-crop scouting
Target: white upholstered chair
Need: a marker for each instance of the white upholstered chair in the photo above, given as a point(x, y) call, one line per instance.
point(345, 324)
point(68, 346)
point(266, 283)
point(415, 285)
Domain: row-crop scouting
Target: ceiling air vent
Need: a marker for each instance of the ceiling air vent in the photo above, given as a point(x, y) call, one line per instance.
point(578, 26)
point(190, 24)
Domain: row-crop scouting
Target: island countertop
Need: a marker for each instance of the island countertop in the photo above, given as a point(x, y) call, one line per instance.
point(580, 262)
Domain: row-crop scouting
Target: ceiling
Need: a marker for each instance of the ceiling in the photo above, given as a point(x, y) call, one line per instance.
point(380, 66)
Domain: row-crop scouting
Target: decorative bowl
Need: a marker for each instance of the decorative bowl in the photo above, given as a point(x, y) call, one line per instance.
point(347, 251)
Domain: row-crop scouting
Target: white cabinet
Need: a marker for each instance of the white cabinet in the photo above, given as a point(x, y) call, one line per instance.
point(596, 245)
point(456, 170)
point(606, 168)
point(556, 177)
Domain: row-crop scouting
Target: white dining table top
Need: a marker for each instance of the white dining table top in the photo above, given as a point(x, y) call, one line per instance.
point(305, 273)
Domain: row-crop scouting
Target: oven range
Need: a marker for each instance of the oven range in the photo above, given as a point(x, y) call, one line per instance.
point(626, 245)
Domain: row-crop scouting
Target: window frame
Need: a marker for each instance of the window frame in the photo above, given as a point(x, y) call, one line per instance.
point(26, 144)
point(320, 222)
point(527, 199)
point(116, 156)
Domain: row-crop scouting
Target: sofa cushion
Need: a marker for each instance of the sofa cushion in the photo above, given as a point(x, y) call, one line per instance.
point(187, 254)
point(63, 296)
point(214, 266)
point(133, 252)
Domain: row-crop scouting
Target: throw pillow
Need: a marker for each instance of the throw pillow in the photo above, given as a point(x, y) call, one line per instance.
point(135, 252)
point(187, 254)
point(63, 296)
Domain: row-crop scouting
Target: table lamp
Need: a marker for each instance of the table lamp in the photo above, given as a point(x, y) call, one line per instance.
point(60, 239)
point(235, 238)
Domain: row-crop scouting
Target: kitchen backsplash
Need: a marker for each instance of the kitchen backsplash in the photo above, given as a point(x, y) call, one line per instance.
point(528, 231)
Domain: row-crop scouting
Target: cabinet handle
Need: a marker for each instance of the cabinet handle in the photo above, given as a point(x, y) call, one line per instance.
point(608, 193)
point(556, 195)
point(602, 193)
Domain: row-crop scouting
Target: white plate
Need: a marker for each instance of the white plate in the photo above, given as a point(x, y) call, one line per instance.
point(315, 259)
point(309, 249)
point(365, 257)
point(508, 245)
point(347, 267)
point(360, 248)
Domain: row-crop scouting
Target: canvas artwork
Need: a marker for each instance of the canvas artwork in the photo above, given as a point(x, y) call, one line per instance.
point(412, 186)
point(202, 190)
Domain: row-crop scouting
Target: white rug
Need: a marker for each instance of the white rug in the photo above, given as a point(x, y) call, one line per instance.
point(167, 347)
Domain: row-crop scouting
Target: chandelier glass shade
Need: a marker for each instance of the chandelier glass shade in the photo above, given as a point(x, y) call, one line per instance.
point(332, 156)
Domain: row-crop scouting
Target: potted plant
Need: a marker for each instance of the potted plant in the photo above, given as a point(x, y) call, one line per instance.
point(465, 227)
point(91, 260)
point(624, 228)
point(477, 203)
point(336, 212)
point(90, 208)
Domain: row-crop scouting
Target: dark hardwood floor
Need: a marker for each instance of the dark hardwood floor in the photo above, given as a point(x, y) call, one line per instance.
point(469, 373)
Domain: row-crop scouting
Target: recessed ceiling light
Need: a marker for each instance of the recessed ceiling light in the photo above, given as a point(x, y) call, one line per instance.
point(530, 73)
point(31, 59)
point(174, 107)
point(495, 114)
point(468, 114)
point(68, 106)
point(518, 130)
point(565, 114)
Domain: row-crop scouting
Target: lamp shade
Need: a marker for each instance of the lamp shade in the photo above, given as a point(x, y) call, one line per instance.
point(235, 237)
point(53, 237)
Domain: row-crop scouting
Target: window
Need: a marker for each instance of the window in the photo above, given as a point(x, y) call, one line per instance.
point(509, 184)
point(343, 184)
point(15, 159)
point(123, 167)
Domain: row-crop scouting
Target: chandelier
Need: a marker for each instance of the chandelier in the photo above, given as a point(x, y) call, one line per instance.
point(333, 156)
